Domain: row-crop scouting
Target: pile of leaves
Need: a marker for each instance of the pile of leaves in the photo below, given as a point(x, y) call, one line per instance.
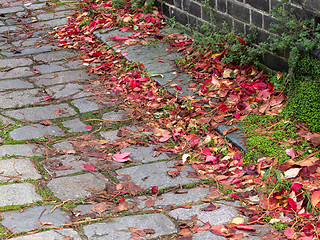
point(287, 193)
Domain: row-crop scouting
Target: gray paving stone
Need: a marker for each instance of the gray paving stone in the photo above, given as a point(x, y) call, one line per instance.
point(41, 113)
point(49, 16)
point(14, 84)
point(144, 154)
point(57, 234)
point(113, 115)
point(235, 137)
point(11, 10)
point(85, 105)
point(26, 150)
point(1, 23)
point(35, 131)
point(155, 174)
point(28, 51)
point(75, 125)
point(75, 187)
point(14, 62)
point(17, 73)
point(75, 163)
point(63, 145)
point(58, 66)
point(220, 216)
point(18, 194)
point(5, 120)
point(193, 195)
point(5, 29)
point(33, 217)
point(109, 135)
point(54, 56)
point(207, 235)
point(117, 229)
point(17, 169)
point(20, 98)
point(35, 6)
point(69, 90)
point(54, 23)
point(61, 77)
point(28, 42)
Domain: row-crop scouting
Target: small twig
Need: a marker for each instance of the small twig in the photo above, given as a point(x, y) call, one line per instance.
point(59, 205)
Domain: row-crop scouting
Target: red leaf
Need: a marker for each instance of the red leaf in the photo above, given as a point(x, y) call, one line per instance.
point(296, 186)
point(154, 189)
point(245, 227)
point(292, 204)
point(125, 54)
point(179, 88)
point(315, 198)
point(165, 138)
point(289, 232)
point(88, 127)
point(210, 207)
point(121, 157)
point(116, 38)
point(89, 167)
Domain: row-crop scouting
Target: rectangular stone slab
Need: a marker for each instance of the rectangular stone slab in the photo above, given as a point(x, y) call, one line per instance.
point(117, 229)
point(18, 194)
point(41, 113)
point(155, 174)
point(17, 169)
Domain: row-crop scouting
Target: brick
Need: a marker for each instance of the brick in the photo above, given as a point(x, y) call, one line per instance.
point(178, 3)
point(262, 35)
point(256, 19)
point(268, 21)
point(181, 17)
point(192, 8)
point(169, 2)
point(259, 4)
point(206, 14)
point(275, 62)
point(239, 26)
point(239, 12)
point(222, 5)
point(221, 18)
point(193, 22)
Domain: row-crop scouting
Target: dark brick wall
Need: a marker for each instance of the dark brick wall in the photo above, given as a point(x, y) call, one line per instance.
point(239, 14)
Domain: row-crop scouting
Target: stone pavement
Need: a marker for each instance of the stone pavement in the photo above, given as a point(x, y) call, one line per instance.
point(45, 100)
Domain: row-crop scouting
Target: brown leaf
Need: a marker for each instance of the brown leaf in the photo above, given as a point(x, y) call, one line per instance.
point(173, 174)
point(230, 130)
point(46, 122)
point(101, 207)
point(150, 202)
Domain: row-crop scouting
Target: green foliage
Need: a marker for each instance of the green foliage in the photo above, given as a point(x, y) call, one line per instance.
point(296, 37)
point(273, 139)
point(304, 92)
point(237, 48)
point(145, 5)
